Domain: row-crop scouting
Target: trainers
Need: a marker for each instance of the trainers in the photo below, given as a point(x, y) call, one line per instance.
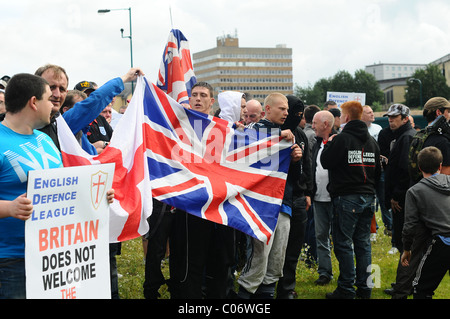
point(322, 281)
point(389, 291)
point(373, 237)
point(393, 251)
point(363, 293)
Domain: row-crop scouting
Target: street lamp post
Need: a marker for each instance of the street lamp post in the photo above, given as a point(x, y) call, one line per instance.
point(420, 89)
point(103, 11)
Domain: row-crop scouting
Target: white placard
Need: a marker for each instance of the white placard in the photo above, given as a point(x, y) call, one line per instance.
point(67, 237)
point(342, 97)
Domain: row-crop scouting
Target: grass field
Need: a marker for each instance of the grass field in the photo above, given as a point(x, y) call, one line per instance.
point(131, 266)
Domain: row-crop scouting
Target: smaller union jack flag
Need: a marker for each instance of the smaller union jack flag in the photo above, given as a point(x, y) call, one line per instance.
point(201, 164)
point(176, 74)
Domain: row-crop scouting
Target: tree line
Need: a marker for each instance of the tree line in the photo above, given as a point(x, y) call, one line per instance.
point(431, 83)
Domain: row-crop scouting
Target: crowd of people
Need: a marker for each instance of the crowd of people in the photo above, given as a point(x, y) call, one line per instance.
point(342, 165)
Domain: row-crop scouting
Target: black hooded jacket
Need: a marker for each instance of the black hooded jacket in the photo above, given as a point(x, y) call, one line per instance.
point(353, 161)
point(303, 184)
point(396, 173)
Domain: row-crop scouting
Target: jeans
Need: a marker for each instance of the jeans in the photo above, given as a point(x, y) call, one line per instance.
point(323, 218)
point(351, 238)
point(12, 278)
point(386, 215)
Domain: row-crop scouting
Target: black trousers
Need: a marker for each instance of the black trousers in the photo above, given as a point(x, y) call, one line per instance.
point(296, 240)
point(201, 256)
point(403, 286)
point(434, 265)
point(160, 223)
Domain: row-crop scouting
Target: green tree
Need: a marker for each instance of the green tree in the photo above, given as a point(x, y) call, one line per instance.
point(433, 84)
point(342, 81)
point(366, 83)
point(313, 94)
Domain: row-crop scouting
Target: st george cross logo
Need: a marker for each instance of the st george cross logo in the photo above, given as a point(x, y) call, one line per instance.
point(202, 165)
point(98, 187)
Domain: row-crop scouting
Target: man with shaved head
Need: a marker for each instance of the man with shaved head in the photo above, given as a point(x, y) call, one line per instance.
point(322, 124)
point(254, 112)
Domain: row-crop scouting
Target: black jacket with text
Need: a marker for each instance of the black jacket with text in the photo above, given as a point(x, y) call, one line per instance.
point(353, 161)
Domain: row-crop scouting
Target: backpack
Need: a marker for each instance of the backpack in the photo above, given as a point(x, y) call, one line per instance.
point(440, 127)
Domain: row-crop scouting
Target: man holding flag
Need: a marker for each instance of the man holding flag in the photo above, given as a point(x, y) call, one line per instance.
point(263, 270)
point(201, 250)
point(176, 78)
point(201, 165)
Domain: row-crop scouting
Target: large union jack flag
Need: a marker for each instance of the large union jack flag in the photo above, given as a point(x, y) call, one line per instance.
point(201, 164)
point(192, 161)
point(176, 74)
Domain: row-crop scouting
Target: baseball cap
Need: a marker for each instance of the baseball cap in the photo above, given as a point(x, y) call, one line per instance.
point(397, 109)
point(84, 86)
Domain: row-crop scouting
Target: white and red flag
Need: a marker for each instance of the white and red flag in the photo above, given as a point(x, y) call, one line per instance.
point(133, 199)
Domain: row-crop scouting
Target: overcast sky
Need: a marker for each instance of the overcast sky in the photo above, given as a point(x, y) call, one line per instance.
point(326, 35)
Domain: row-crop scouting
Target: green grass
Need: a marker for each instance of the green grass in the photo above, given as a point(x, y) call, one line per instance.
point(130, 265)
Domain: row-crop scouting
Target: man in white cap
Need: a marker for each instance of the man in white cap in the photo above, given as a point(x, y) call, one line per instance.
point(397, 183)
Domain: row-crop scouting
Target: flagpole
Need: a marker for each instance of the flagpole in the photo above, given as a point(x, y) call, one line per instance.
point(103, 11)
point(170, 12)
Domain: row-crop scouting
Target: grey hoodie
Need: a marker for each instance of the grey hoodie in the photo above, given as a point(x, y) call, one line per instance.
point(427, 203)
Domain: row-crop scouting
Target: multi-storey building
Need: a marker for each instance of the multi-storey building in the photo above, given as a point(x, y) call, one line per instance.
point(390, 71)
point(254, 71)
point(392, 78)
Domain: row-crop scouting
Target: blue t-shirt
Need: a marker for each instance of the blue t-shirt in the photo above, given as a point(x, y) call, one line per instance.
point(20, 154)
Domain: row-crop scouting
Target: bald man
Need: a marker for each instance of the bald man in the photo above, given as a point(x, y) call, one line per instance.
point(322, 124)
point(254, 112)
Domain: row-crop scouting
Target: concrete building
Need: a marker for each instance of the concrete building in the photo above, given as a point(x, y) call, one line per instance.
point(384, 72)
point(254, 71)
point(444, 64)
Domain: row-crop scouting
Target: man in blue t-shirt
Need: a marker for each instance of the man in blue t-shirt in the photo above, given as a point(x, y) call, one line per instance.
point(22, 148)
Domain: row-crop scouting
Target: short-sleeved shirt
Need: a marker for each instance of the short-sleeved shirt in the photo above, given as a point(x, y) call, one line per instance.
point(20, 154)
